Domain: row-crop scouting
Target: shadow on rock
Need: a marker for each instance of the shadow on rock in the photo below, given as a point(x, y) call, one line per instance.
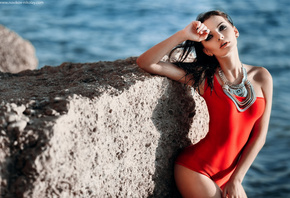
point(172, 117)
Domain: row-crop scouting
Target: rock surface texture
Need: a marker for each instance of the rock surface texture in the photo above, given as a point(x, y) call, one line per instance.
point(16, 54)
point(104, 129)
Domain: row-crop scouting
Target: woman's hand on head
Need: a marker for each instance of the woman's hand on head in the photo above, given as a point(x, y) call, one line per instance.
point(196, 31)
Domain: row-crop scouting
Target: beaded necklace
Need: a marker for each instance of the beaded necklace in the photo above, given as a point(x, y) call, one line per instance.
point(244, 89)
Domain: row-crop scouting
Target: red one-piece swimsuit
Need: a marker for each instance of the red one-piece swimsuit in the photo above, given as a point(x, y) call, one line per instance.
point(216, 155)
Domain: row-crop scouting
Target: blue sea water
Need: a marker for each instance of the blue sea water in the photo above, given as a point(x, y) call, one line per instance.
point(94, 30)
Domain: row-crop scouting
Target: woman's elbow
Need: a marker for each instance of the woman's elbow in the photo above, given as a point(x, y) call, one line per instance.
point(140, 62)
point(144, 65)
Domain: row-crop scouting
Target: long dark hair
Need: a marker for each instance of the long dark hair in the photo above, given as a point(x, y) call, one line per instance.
point(204, 66)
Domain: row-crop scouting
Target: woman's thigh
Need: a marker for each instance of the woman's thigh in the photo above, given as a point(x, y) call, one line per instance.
point(193, 184)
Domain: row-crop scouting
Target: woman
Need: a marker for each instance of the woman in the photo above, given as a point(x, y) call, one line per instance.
point(239, 100)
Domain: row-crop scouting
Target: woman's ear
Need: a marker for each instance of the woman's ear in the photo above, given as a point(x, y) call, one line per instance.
point(207, 52)
point(236, 32)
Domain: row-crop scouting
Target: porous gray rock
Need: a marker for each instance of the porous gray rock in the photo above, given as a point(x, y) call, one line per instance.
point(104, 129)
point(16, 54)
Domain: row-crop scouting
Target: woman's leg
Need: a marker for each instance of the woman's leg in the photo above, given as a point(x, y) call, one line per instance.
point(192, 184)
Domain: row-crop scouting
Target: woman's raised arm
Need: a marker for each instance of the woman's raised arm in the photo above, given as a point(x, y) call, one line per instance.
point(150, 60)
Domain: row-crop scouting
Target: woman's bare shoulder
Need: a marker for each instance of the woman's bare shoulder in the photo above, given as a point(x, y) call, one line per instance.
point(262, 80)
point(259, 74)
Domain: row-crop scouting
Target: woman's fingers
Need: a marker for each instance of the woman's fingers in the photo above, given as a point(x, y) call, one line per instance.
point(202, 31)
point(197, 24)
point(201, 28)
point(196, 31)
point(225, 193)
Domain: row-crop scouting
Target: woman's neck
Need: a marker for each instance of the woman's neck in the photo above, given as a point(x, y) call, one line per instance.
point(231, 66)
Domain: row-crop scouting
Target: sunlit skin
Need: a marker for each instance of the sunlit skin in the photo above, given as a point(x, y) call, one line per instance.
point(219, 38)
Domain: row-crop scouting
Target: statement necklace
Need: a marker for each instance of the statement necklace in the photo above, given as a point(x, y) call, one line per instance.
point(244, 89)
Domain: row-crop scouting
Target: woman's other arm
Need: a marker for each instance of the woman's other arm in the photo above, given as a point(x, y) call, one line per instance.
point(257, 139)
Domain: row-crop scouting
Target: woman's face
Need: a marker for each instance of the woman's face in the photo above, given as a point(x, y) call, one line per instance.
point(222, 37)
